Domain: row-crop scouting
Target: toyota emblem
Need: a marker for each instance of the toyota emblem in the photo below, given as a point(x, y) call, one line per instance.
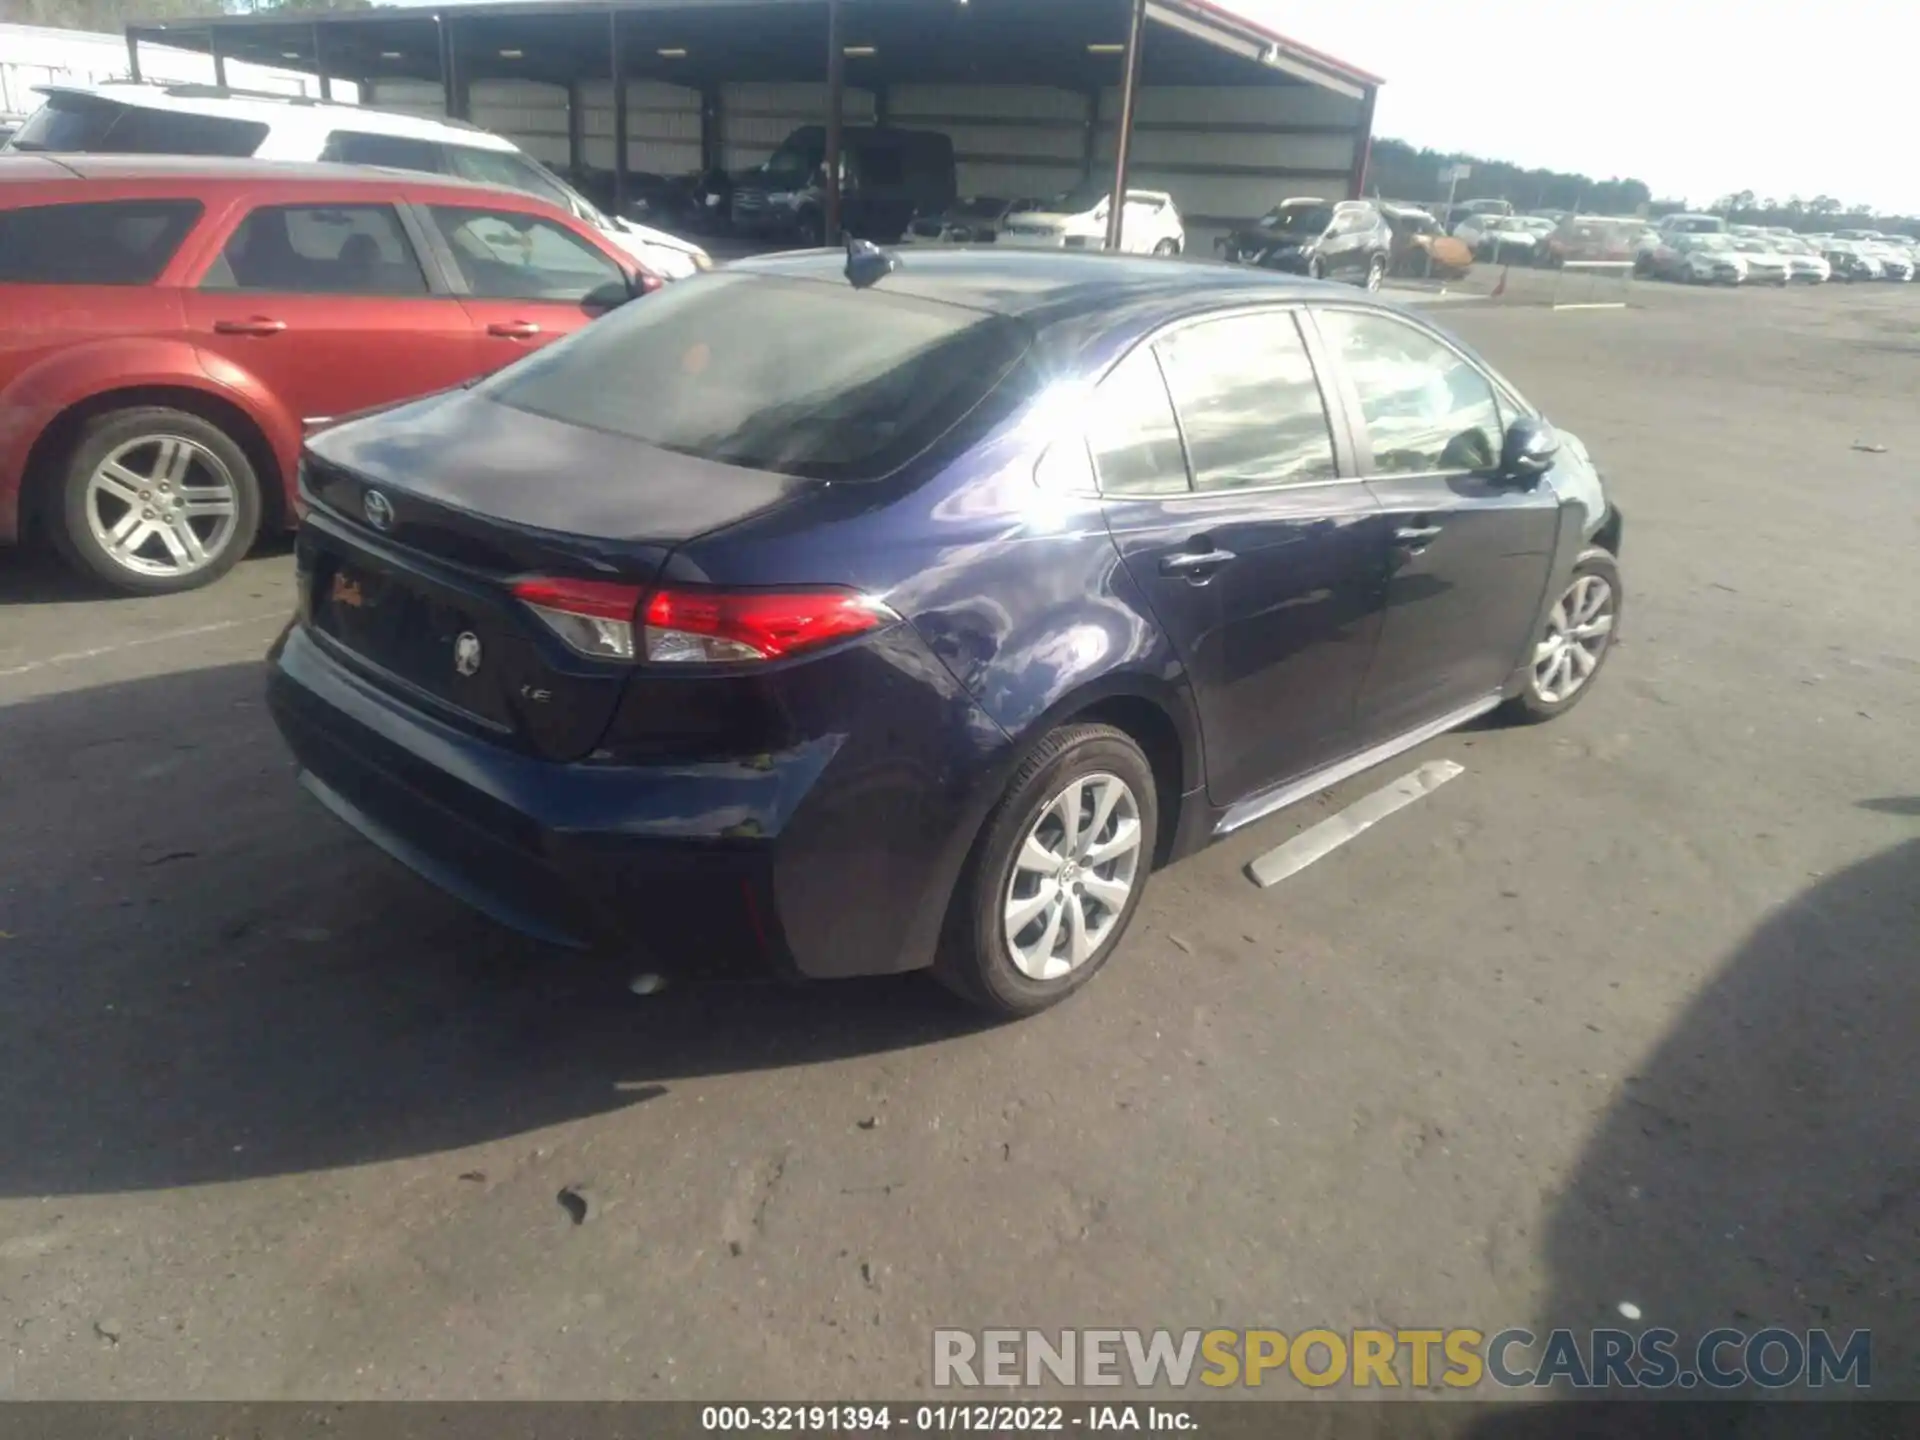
point(466, 653)
point(378, 510)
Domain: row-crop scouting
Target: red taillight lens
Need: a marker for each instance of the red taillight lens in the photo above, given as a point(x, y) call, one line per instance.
point(594, 617)
point(721, 626)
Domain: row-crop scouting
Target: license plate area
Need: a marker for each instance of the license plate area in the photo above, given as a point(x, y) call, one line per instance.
point(431, 642)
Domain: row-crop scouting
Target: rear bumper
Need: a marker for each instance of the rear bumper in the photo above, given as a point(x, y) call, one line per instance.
point(569, 854)
point(835, 857)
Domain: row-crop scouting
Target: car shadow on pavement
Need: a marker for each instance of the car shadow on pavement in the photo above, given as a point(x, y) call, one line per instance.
point(33, 575)
point(205, 977)
point(1761, 1168)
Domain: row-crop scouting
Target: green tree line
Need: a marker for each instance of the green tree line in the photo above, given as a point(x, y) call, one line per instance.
point(1399, 171)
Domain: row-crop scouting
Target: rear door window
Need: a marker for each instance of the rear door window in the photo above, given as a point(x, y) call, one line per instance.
point(512, 255)
point(1132, 431)
point(88, 124)
point(319, 250)
point(1248, 403)
point(108, 242)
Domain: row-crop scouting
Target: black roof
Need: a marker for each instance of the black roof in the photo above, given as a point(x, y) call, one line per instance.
point(1193, 42)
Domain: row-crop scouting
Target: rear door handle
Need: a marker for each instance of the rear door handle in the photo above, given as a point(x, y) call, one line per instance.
point(514, 329)
point(252, 325)
point(1417, 534)
point(1194, 563)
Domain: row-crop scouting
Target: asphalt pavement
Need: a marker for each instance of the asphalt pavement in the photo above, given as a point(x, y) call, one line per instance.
point(1624, 1012)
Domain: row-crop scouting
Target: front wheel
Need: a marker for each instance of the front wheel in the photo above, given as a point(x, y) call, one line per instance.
point(1056, 875)
point(156, 500)
point(1376, 272)
point(1167, 247)
point(1575, 641)
point(1317, 268)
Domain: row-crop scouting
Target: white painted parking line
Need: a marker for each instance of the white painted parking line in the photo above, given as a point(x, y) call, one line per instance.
point(75, 656)
point(1336, 830)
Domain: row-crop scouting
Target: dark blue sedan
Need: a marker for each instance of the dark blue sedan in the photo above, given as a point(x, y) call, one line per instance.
point(851, 622)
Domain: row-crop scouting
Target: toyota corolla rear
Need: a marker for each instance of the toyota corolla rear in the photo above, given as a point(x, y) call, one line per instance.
point(579, 644)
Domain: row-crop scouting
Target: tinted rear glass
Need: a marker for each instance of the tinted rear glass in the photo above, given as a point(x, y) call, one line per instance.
point(111, 242)
point(796, 376)
point(85, 124)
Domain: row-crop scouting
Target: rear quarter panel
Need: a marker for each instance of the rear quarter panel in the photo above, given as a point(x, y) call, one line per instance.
point(1024, 615)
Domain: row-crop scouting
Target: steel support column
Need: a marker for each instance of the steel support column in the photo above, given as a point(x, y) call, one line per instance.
point(133, 54)
point(836, 88)
point(219, 58)
point(451, 91)
point(576, 114)
point(320, 66)
point(1123, 137)
point(618, 70)
point(1362, 146)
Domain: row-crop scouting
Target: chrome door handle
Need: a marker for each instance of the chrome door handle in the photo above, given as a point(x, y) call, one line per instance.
point(1194, 562)
point(513, 329)
point(1416, 532)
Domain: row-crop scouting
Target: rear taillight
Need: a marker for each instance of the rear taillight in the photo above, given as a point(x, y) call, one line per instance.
point(595, 617)
point(731, 626)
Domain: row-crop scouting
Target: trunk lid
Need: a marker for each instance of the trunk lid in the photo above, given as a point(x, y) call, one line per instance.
point(421, 518)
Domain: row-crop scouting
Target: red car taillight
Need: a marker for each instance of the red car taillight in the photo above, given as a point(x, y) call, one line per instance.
point(597, 618)
point(745, 625)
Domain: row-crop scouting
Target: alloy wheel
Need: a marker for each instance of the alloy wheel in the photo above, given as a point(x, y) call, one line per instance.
point(162, 505)
point(1376, 272)
point(1072, 876)
point(1578, 631)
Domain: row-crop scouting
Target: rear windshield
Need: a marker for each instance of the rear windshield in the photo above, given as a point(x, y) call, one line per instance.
point(86, 124)
point(110, 242)
point(796, 376)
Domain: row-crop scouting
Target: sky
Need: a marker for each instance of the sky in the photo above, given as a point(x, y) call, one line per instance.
point(1699, 98)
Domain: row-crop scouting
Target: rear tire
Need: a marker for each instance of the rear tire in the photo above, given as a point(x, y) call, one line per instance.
point(1573, 643)
point(1376, 273)
point(1023, 932)
point(154, 501)
point(1167, 247)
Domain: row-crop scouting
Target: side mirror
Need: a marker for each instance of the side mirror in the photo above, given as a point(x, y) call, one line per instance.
point(1528, 451)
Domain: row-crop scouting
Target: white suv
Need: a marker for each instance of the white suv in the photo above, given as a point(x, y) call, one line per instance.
point(123, 117)
point(1077, 220)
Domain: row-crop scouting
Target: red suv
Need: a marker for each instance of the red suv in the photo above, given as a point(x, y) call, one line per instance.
point(173, 327)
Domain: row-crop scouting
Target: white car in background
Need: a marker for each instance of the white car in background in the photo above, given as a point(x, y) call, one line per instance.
point(1699, 258)
point(124, 117)
point(1804, 262)
point(1896, 260)
point(1077, 220)
point(1767, 264)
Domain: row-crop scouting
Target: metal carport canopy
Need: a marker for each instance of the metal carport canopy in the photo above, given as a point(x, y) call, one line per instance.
point(1226, 115)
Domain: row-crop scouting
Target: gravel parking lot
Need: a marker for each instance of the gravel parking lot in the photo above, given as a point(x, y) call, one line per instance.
point(1625, 1013)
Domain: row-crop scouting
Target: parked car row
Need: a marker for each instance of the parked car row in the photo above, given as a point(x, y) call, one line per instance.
point(1704, 249)
point(632, 638)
